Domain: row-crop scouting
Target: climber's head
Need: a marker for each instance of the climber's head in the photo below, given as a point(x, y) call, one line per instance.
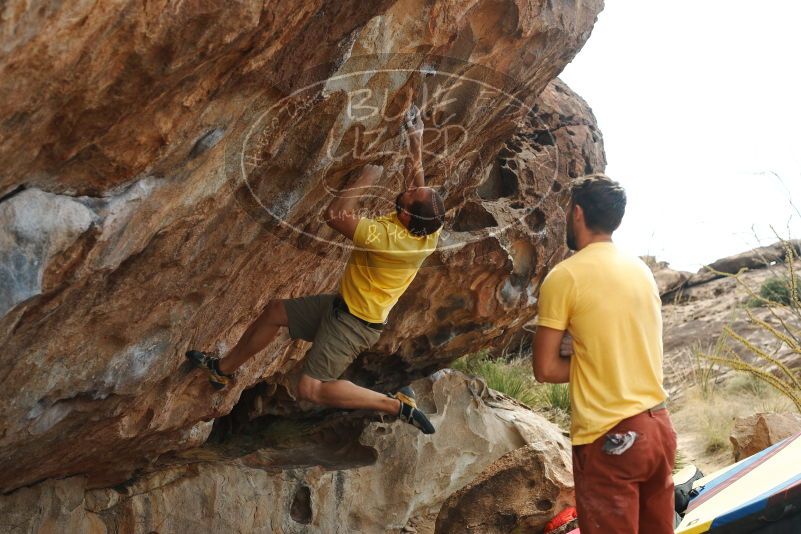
point(421, 210)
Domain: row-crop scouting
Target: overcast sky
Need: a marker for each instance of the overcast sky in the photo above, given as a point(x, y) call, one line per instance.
point(699, 102)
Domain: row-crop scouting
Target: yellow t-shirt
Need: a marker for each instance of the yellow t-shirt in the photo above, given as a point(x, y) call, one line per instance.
point(609, 302)
point(384, 261)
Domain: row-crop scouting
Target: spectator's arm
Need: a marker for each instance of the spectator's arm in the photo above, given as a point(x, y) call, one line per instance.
point(548, 365)
point(555, 307)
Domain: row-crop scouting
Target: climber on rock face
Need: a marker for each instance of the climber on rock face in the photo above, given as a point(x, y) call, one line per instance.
point(387, 253)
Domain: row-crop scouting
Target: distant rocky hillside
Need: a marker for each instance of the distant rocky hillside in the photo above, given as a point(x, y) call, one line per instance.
point(696, 308)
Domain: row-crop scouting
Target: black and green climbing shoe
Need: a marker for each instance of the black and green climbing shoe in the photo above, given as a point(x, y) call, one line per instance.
point(210, 364)
point(410, 413)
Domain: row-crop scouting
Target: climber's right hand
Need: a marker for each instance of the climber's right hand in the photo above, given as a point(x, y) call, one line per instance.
point(372, 172)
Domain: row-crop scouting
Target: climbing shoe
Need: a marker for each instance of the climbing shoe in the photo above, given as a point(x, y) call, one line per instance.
point(210, 364)
point(405, 394)
point(410, 413)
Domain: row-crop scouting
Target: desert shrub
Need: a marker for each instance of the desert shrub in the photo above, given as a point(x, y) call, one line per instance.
point(785, 310)
point(702, 372)
point(747, 383)
point(778, 290)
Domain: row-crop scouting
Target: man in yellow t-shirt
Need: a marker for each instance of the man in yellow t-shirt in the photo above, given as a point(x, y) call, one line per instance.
point(624, 443)
point(387, 253)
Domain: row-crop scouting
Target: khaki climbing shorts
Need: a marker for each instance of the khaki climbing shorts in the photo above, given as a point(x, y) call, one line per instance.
point(338, 336)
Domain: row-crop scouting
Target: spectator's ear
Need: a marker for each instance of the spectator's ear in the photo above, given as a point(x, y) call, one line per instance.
point(578, 211)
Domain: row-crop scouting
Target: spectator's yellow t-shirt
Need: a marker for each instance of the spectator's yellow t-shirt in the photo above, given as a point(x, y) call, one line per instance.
point(384, 261)
point(609, 302)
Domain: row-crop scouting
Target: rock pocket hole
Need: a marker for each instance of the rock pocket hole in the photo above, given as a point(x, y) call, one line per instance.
point(301, 511)
point(473, 216)
point(536, 220)
point(502, 182)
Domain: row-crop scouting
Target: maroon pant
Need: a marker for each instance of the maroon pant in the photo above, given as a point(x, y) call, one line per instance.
point(632, 492)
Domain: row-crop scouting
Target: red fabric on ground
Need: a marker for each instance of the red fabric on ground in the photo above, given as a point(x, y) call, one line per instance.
point(565, 516)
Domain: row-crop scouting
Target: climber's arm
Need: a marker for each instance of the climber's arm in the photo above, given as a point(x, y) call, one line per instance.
point(414, 167)
point(416, 153)
point(341, 213)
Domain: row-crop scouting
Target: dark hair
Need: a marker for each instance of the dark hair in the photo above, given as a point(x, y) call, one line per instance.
point(602, 199)
point(426, 217)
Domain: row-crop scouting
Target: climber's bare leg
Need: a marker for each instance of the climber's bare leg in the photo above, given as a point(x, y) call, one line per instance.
point(345, 394)
point(256, 337)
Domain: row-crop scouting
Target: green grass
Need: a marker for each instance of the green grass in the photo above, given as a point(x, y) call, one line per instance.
point(515, 378)
point(556, 396)
point(509, 379)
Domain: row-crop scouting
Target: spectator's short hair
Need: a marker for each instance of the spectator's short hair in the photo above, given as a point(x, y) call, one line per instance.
point(602, 199)
point(426, 217)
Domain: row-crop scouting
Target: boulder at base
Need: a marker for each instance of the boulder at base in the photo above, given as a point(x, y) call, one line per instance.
point(758, 432)
point(349, 473)
point(522, 490)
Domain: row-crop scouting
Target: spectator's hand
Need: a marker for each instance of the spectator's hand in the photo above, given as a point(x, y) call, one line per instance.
point(566, 348)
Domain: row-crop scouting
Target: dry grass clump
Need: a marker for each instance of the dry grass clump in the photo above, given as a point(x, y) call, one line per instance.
point(705, 417)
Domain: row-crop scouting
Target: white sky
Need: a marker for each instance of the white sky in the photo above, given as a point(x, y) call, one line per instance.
point(698, 101)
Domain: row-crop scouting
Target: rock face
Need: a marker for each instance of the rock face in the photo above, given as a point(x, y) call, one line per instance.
point(759, 431)
point(386, 476)
point(164, 174)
